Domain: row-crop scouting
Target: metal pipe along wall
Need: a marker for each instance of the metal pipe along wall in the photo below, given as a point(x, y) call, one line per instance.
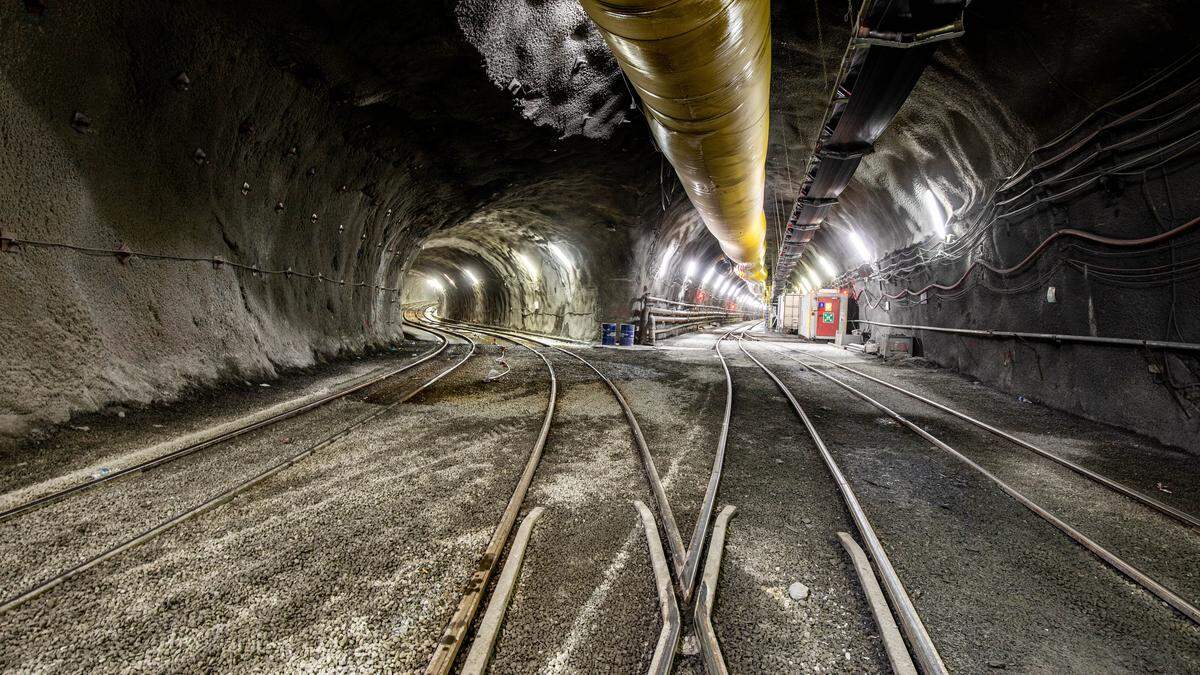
point(703, 71)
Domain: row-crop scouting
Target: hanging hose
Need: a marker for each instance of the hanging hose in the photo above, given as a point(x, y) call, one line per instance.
point(702, 69)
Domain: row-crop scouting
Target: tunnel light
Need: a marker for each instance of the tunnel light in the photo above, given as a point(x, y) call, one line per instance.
point(562, 256)
point(435, 285)
point(665, 263)
point(860, 246)
point(934, 206)
point(708, 276)
point(474, 280)
point(827, 266)
point(530, 268)
point(690, 270)
point(449, 280)
point(812, 277)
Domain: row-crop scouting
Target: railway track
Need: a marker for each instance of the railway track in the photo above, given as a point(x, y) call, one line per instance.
point(1127, 596)
point(240, 487)
point(676, 568)
point(923, 650)
point(1146, 581)
point(215, 438)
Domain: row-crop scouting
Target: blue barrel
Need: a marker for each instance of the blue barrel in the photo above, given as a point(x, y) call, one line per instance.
point(627, 333)
point(608, 333)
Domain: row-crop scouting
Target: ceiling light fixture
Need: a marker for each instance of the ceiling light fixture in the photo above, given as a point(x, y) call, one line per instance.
point(665, 263)
point(562, 256)
point(860, 246)
point(933, 206)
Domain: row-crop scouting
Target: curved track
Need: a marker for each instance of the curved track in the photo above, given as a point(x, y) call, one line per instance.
point(217, 438)
point(231, 492)
point(685, 563)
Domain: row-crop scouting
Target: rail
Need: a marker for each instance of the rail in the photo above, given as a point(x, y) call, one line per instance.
point(229, 494)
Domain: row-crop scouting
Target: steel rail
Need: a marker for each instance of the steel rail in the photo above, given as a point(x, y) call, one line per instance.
point(914, 629)
point(45, 500)
point(691, 565)
point(893, 642)
point(668, 637)
point(710, 647)
point(489, 627)
point(1164, 509)
point(226, 495)
point(456, 630)
point(1145, 581)
point(537, 338)
point(691, 562)
point(674, 540)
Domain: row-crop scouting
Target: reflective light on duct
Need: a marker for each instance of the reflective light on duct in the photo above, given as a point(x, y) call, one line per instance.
point(471, 277)
point(826, 266)
point(690, 270)
point(665, 263)
point(449, 280)
point(860, 246)
point(530, 268)
point(562, 256)
point(708, 276)
point(435, 285)
point(934, 206)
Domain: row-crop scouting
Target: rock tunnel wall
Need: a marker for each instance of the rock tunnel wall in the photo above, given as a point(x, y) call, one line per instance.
point(310, 151)
point(1014, 82)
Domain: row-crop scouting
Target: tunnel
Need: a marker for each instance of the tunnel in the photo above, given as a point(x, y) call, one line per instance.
point(599, 336)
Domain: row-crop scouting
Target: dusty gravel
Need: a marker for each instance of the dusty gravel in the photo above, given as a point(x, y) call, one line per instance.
point(355, 558)
point(995, 585)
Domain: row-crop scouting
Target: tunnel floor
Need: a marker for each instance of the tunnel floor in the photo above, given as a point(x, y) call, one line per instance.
point(356, 556)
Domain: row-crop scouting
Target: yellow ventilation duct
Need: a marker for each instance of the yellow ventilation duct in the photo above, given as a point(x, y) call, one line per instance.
point(703, 71)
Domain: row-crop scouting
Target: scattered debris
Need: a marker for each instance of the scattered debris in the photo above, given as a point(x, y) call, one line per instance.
point(182, 82)
point(690, 647)
point(104, 471)
point(264, 384)
point(81, 123)
point(1022, 399)
point(798, 591)
point(1162, 487)
point(496, 373)
point(200, 157)
point(81, 428)
point(998, 665)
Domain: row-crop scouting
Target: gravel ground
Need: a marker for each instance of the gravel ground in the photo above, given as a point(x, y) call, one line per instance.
point(585, 601)
point(89, 442)
point(352, 558)
point(996, 586)
point(1156, 544)
point(355, 559)
point(785, 531)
